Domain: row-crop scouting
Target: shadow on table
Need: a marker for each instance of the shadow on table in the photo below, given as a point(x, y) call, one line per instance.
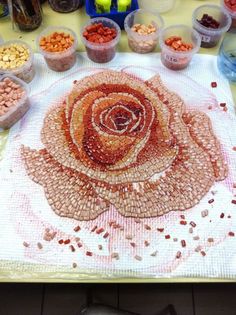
point(97, 309)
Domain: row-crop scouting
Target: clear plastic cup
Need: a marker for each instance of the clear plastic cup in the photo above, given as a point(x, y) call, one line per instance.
point(210, 36)
point(232, 13)
point(226, 59)
point(17, 111)
point(104, 52)
point(59, 61)
point(156, 6)
point(26, 72)
point(138, 42)
point(178, 60)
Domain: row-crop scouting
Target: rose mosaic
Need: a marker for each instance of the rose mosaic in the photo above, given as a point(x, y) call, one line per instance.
point(117, 140)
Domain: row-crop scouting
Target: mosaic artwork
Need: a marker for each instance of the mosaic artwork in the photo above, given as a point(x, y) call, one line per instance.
point(123, 171)
point(121, 141)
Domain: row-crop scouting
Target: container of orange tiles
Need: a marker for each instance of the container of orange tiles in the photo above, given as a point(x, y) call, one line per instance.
point(58, 47)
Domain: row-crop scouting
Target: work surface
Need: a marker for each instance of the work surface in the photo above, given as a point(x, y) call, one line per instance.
point(21, 272)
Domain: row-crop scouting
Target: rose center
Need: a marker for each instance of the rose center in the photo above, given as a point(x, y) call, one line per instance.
point(121, 122)
point(121, 117)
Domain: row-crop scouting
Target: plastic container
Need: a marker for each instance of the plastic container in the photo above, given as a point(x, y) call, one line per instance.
point(143, 43)
point(232, 13)
point(156, 6)
point(178, 60)
point(27, 71)
point(59, 61)
point(209, 36)
point(17, 111)
point(101, 53)
point(65, 6)
point(226, 59)
point(114, 15)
